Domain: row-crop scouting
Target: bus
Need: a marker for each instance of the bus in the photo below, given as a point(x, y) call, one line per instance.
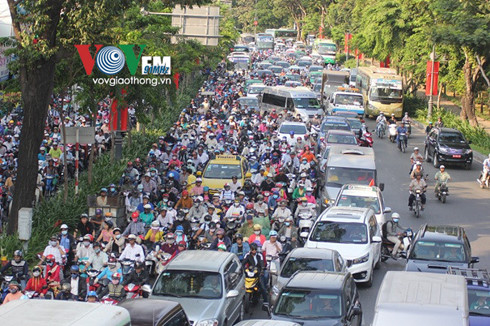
point(326, 48)
point(382, 89)
point(265, 41)
point(299, 100)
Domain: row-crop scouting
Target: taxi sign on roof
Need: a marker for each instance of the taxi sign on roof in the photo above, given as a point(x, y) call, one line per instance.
point(228, 157)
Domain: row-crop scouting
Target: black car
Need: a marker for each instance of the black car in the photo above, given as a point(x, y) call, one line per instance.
point(448, 146)
point(435, 248)
point(319, 298)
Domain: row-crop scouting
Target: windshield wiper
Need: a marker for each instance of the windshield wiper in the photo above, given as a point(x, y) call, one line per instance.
point(168, 295)
point(475, 313)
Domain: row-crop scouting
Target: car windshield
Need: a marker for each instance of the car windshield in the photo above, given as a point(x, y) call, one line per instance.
point(295, 264)
point(355, 123)
point(348, 99)
point(339, 232)
point(306, 304)
point(359, 201)
point(317, 88)
point(479, 300)
point(316, 68)
point(253, 102)
point(386, 93)
point(294, 77)
point(335, 126)
point(306, 103)
point(452, 137)
point(298, 129)
point(283, 64)
point(276, 69)
point(341, 139)
point(256, 89)
point(337, 176)
point(438, 251)
point(189, 284)
point(223, 171)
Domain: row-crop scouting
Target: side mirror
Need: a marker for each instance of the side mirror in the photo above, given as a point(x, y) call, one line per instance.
point(475, 260)
point(232, 294)
point(381, 186)
point(376, 238)
point(387, 210)
point(356, 310)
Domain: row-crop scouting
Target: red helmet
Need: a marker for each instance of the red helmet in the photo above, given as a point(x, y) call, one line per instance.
point(137, 159)
point(135, 214)
point(250, 206)
point(50, 258)
point(116, 275)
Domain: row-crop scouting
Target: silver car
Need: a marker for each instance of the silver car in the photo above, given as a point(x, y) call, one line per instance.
point(304, 259)
point(207, 284)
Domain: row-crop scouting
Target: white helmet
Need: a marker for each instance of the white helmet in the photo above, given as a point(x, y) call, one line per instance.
point(395, 215)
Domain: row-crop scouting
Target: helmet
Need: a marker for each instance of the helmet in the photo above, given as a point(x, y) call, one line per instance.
point(442, 167)
point(273, 233)
point(179, 228)
point(116, 276)
point(74, 268)
point(253, 246)
point(135, 214)
point(66, 287)
point(50, 258)
point(155, 224)
point(170, 235)
point(238, 236)
point(395, 217)
point(18, 253)
point(220, 231)
point(257, 227)
point(63, 226)
point(207, 218)
point(415, 148)
point(138, 265)
point(91, 294)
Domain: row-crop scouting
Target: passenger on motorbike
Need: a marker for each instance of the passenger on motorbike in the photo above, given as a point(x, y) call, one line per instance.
point(139, 276)
point(417, 184)
point(18, 267)
point(418, 170)
point(393, 232)
point(440, 177)
point(114, 290)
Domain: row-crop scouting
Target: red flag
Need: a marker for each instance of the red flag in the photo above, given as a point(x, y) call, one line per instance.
point(371, 183)
point(176, 80)
point(435, 79)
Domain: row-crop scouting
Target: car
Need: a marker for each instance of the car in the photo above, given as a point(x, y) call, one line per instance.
point(295, 68)
point(264, 65)
point(266, 322)
point(340, 137)
point(436, 247)
point(250, 82)
point(252, 102)
point(313, 76)
point(283, 64)
point(478, 283)
point(293, 77)
point(319, 298)
point(255, 89)
point(220, 170)
point(304, 259)
point(353, 232)
point(285, 129)
point(332, 123)
point(316, 68)
point(292, 83)
point(448, 146)
point(363, 196)
point(208, 284)
point(354, 123)
point(276, 70)
point(155, 312)
point(264, 72)
point(347, 100)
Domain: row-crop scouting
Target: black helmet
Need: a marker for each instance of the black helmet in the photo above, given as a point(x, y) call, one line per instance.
point(212, 225)
point(18, 253)
point(139, 265)
point(207, 218)
point(238, 236)
point(253, 246)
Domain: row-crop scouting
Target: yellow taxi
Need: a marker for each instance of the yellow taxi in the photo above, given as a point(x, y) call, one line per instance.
point(220, 170)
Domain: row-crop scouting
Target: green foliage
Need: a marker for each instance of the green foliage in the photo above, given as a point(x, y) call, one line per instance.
point(412, 104)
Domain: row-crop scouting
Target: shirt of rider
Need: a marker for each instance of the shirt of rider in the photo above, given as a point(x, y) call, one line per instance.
point(272, 249)
point(98, 260)
point(133, 253)
point(84, 251)
point(416, 157)
point(50, 250)
point(74, 286)
point(417, 185)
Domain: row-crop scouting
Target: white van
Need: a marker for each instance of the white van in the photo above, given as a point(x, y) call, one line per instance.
point(298, 100)
point(421, 299)
point(63, 313)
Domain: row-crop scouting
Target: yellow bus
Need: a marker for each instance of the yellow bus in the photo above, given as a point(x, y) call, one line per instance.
point(382, 89)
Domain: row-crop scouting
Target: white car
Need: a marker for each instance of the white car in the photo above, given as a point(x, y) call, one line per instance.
point(292, 130)
point(355, 234)
point(364, 196)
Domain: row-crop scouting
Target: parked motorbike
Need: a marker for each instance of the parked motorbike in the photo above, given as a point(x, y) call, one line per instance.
point(387, 246)
point(442, 192)
point(251, 288)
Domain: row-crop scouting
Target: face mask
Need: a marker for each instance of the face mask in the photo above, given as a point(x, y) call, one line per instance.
point(118, 236)
point(261, 202)
point(113, 189)
point(170, 241)
point(14, 290)
point(53, 243)
point(275, 196)
point(212, 230)
point(395, 220)
point(165, 200)
point(287, 223)
point(74, 275)
point(155, 228)
point(36, 274)
point(86, 243)
point(178, 232)
point(304, 162)
point(64, 232)
point(257, 232)
point(50, 264)
point(180, 218)
point(97, 250)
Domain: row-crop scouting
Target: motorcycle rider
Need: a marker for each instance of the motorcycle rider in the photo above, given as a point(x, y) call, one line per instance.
point(393, 232)
point(198, 210)
point(227, 193)
point(65, 293)
point(139, 276)
point(441, 176)
point(97, 260)
point(304, 208)
point(417, 184)
point(260, 204)
point(289, 230)
point(486, 171)
point(255, 260)
point(220, 237)
point(37, 283)
point(77, 283)
point(181, 221)
point(85, 250)
point(133, 251)
point(136, 226)
point(418, 170)
point(169, 246)
point(114, 289)
point(236, 210)
point(401, 130)
point(240, 248)
point(18, 268)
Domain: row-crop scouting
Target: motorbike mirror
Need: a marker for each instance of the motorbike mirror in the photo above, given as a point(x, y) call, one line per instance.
point(381, 186)
point(304, 234)
point(387, 210)
point(403, 254)
point(265, 307)
point(232, 294)
point(376, 239)
point(475, 260)
point(356, 310)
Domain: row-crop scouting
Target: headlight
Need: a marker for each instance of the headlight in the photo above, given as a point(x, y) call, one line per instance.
point(468, 151)
point(361, 260)
point(443, 150)
point(371, 107)
point(208, 322)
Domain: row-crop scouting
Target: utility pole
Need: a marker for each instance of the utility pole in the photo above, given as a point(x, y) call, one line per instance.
point(431, 99)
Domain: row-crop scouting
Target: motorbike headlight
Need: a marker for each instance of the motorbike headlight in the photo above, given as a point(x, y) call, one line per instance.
point(361, 260)
point(208, 322)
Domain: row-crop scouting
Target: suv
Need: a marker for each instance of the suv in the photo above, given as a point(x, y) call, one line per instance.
point(435, 248)
point(319, 298)
point(208, 284)
point(478, 282)
point(304, 259)
point(355, 234)
point(363, 196)
point(448, 146)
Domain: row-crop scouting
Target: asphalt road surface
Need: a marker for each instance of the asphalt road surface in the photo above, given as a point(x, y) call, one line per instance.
point(467, 206)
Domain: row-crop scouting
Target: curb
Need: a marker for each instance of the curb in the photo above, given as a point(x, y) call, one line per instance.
point(476, 155)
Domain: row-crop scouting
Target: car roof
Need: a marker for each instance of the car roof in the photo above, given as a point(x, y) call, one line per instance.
point(340, 132)
point(312, 253)
point(290, 123)
point(448, 233)
point(335, 119)
point(359, 190)
point(346, 214)
point(210, 261)
point(144, 310)
point(317, 280)
point(443, 130)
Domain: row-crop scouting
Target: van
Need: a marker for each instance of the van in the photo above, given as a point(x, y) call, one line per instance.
point(55, 312)
point(347, 165)
point(208, 284)
point(299, 100)
point(422, 299)
point(148, 312)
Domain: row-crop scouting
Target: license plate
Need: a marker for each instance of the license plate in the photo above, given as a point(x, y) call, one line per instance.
point(456, 156)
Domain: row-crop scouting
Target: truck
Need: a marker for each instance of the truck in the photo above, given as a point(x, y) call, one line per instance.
point(346, 100)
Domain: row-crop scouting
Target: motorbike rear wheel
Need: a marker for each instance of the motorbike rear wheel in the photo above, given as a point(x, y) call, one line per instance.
point(443, 198)
point(246, 302)
point(385, 253)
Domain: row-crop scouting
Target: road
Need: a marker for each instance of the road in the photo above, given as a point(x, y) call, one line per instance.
point(467, 206)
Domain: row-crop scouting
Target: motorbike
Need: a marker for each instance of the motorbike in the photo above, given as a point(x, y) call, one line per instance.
point(251, 288)
point(484, 183)
point(286, 247)
point(304, 226)
point(127, 266)
point(366, 140)
point(442, 192)
point(164, 259)
point(109, 301)
point(134, 291)
point(392, 132)
point(5, 286)
point(31, 295)
point(417, 203)
point(381, 129)
point(91, 276)
point(387, 246)
point(151, 260)
point(402, 142)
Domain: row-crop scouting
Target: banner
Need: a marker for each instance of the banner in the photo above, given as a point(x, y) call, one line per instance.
point(114, 113)
point(435, 80)
point(348, 36)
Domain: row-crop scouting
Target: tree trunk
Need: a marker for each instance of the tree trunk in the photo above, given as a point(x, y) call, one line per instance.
point(468, 99)
point(37, 87)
